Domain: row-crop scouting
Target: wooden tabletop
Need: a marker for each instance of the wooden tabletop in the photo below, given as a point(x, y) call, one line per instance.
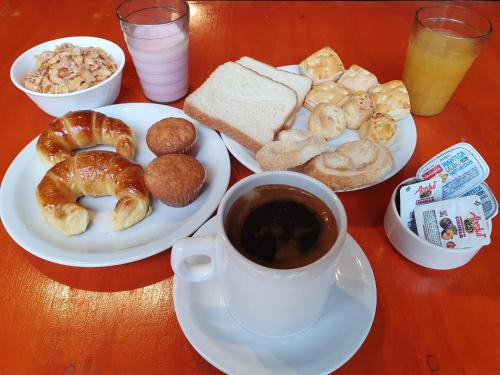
point(120, 320)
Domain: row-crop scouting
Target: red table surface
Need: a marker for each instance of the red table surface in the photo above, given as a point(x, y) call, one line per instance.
point(120, 320)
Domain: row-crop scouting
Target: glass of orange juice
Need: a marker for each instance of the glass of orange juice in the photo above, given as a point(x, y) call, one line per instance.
point(445, 41)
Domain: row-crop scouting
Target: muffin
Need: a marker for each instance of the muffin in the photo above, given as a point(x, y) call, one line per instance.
point(172, 136)
point(175, 179)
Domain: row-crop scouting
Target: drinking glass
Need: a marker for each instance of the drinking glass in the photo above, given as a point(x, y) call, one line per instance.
point(157, 36)
point(444, 43)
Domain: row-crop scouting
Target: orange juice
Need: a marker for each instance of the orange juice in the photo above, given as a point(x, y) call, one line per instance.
point(436, 62)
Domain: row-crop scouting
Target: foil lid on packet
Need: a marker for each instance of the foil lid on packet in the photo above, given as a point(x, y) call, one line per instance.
point(460, 167)
point(488, 200)
point(454, 223)
point(417, 194)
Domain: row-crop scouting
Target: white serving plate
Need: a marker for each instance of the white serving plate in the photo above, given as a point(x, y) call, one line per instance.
point(402, 149)
point(100, 245)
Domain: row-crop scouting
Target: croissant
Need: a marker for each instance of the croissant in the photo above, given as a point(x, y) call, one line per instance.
point(83, 129)
point(92, 173)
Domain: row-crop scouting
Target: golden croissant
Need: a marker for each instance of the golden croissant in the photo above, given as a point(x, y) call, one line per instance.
point(83, 129)
point(92, 173)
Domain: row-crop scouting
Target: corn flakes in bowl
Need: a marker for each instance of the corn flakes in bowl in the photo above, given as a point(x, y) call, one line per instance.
point(70, 74)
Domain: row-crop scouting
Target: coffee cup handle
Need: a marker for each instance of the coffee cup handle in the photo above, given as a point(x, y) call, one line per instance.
point(184, 258)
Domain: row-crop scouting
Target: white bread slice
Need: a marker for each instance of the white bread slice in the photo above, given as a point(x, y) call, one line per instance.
point(242, 104)
point(299, 83)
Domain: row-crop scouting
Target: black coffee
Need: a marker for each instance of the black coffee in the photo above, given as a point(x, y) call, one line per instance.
point(280, 226)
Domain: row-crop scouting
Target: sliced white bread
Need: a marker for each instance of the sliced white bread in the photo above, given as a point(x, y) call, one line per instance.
point(242, 104)
point(298, 83)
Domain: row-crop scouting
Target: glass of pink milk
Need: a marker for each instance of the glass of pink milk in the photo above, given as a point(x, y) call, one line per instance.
point(157, 36)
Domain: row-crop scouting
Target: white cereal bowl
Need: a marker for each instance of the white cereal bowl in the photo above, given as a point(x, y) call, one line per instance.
point(416, 248)
point(102, 94)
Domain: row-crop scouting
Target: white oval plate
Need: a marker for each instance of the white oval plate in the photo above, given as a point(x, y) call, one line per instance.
point(402, 149)
point(101, 246)
point(321, 349)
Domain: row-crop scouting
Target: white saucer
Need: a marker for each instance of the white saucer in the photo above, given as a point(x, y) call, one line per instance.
point(326, 346)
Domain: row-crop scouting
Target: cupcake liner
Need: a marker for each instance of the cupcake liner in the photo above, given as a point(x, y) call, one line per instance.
point(189, 150)
point(175, 179)
point(185, 199)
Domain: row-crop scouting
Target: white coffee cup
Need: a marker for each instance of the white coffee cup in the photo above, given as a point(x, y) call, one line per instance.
point(266, 301)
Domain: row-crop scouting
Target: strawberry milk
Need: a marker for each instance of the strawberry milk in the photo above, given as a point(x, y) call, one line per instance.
point(158, 41)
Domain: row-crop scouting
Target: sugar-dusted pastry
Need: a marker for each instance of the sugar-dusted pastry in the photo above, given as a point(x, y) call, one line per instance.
point(323, 65)
point(327, 121)
point(351, 165)
point(357, 78)
point(357, 109)
point(380, 128)
point(326, 92)
point(391, 98)
point(295, 148)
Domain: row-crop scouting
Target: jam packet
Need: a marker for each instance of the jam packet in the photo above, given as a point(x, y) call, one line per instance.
point(458, 222)
point(460, 167)
point(488, 200)
point(417, 194)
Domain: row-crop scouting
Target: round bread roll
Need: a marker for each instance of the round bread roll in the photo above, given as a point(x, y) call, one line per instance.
point(357, 109)
point(327, 121)
point(352, 165)
point(175, 179)
point(172, 136)
point(92, 173)
point(380, 128)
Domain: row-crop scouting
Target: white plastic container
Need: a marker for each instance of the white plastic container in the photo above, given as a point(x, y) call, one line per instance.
point(417, 249)
point(102, 94)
